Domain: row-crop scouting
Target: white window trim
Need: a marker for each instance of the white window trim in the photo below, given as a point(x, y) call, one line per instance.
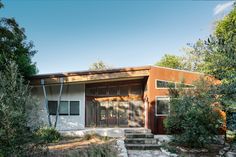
point(161, 98)
point(164, 81)
point(171, 82)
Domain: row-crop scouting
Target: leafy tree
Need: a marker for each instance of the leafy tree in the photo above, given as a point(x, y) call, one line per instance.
point(220, 58)
point(15, 99)
point(193, 58)
point(99, 65)
point(194, 115)
point(14, 47)
point(170, 61)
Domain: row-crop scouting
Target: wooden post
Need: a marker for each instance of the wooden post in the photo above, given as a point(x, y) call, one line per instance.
point(146, 112)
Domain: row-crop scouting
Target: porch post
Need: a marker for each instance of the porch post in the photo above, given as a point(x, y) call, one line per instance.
point(46, 101)
point(146, 112)
point(59, 101)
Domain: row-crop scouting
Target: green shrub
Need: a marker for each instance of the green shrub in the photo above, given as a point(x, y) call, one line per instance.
point(14, 101)
point(193, 118)
point(93, 150)
point(48, 135)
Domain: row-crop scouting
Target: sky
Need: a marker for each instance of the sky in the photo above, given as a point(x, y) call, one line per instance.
point(70, 35)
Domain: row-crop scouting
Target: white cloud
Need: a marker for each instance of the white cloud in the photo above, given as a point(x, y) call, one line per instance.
point(222, 7)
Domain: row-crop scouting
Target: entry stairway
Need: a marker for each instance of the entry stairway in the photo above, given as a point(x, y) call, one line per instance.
point(140, 139)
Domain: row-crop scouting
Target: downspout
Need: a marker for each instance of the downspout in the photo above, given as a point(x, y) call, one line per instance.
point(59, 101)
point(46, 101)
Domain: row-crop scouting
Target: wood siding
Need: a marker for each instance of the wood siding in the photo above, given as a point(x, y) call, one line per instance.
point(159, 73)
point(130, 115)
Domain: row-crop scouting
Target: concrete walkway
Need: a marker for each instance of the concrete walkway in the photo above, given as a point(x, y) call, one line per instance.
point(146, 153)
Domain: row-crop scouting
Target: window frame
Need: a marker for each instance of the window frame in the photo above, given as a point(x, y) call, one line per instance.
point(68, 106)
point(128, 90)
point(174, 83)
point(137, 85)
point(162, 98)
point(89, 88)
point(117, 90)
point(49, 107)
point(163, 81)
point(102, 87)
point(79, 108)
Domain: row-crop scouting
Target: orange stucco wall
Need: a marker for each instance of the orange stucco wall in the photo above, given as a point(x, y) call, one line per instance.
point(166, 74)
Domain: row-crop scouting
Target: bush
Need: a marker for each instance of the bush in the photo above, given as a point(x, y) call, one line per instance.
point(194, 119)
point(14, 99)
point(48, 135)
point(94, 150)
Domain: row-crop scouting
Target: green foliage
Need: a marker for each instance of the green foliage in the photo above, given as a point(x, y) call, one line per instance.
point(48, 135)
point(102, 151)
point(94, 150)
point(99, 65)
point(14, 99)
point(14, 47)
point(170, 61)
point(220, 60)
point(193, 119)
point(194, 55)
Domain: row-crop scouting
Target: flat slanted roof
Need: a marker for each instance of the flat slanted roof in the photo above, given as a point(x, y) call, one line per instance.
point(92, 76)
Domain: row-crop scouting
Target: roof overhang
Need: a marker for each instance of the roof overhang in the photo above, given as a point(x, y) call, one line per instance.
point(92, 76)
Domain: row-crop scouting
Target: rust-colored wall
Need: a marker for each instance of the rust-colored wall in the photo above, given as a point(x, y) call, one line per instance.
point(166, 74)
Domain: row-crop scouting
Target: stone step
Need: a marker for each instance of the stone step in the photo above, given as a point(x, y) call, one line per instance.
point(139, 135)
point(141, 141)
point(142, 146)
point(138, 131)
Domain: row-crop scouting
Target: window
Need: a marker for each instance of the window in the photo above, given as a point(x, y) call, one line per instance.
point(179, 85)
point(113, 90)
point(162, 106)
point(91, 91)
point(165, 84)
point(136, 90)
point(66, 107)
point(102, 91)
point(74, 107)
point(124, 90)
point(63, 108)
point(52, 107)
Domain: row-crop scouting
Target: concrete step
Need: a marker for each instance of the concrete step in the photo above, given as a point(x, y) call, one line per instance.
point(141, 141)
point(139, 135)
point(142, 146)
point(138, 131)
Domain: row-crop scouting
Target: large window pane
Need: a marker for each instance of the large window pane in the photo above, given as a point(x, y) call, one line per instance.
point(63, 108)
point(123, 113)
point(102, 91)
point(91, 91)
point(52, 107)
point(74, 108)
point(162, 106)
point(136, 90)
point(182, 85)
point(124, 90)
point(112, 90)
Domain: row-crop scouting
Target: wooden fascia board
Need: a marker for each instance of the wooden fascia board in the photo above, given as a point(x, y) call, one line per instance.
point(92, 77)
